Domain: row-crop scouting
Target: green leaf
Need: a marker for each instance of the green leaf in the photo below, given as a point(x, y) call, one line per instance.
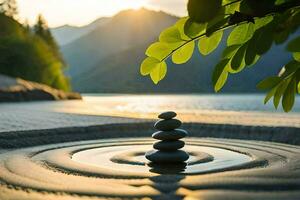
point(193, 29)
point(220, 74)
point(281, 36)
point(183, 54)
point(238, 60)
point(288, 98)
point(147, 65)
point(155, 68)
point(268, 83)
point(264, 40)
point(296, 56)
point(250, 52)
point(278, 2)
point(230, 51)
point(232, 8)
point(203, 10)
point(216, 24)
point(241, 34)
point(170, 35)
point(280, 91)
point(257, 8)
point(251, 56)
point(158, 72)
point(261, 22)
point(289, 69)
point(292, 66)
point(294, 45)
point(208, 44)
point(270, 95)
point(257, 57)
point(158, 50)
point(180, 26)
point(299, 87)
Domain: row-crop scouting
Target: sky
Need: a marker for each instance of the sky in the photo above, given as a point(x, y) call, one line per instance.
point(82, 12)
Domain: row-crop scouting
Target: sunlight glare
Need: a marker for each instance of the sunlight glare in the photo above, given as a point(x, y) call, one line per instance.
point(62, 12)
point(134, 4)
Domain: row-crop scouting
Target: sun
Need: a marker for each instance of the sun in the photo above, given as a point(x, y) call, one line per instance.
point(136, 4)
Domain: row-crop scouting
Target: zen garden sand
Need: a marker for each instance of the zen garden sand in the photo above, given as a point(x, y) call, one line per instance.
point(108, 161)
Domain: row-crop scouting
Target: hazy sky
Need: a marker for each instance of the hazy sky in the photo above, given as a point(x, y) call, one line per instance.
point(81, 12)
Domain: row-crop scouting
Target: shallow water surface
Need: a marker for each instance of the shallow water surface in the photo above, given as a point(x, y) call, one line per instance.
point(129, 158)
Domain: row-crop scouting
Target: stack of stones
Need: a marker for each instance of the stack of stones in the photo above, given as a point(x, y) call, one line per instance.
point(167, 149)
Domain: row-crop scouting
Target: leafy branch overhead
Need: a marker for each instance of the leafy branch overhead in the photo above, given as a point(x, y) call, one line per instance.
point(254, 25)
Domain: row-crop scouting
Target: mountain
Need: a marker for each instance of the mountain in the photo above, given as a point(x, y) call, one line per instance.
point(119, 73)
point(67, 34)
point(126, 30)
point(108, 58)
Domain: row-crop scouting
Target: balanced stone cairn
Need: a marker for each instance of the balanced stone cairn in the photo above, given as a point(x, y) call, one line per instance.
point(167, 149)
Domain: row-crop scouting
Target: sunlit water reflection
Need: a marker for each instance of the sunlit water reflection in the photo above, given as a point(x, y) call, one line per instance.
point(242, 109)
point(145, 104)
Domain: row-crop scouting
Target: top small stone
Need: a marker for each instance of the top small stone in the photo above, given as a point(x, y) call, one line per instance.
point(167, 115)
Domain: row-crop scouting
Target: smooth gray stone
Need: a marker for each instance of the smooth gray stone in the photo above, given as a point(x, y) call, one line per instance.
point(167, 125)
point(167, 115)
point(168, 145)
point(166, 156)
point(170, 135)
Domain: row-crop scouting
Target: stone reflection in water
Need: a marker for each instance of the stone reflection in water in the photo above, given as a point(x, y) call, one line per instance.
point(168, 186)
point(160, 168)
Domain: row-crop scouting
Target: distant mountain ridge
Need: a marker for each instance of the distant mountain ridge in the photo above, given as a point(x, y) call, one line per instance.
point(107, 59)
point(125, 30)
point(67, 34)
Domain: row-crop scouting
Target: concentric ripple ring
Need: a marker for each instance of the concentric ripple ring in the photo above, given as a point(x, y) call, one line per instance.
point(116, 168)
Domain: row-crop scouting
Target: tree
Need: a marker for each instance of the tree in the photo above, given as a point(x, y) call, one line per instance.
point(41, 29)
point(28, 56)
point(255, 26)
point(26, 25)
point(9, 8)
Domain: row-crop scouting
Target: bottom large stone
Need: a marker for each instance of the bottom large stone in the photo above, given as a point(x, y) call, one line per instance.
point(167, 157)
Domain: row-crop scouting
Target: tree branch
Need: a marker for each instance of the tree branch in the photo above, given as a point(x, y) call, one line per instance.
point(284, 7)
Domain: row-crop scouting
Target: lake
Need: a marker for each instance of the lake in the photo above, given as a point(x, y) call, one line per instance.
point(184, 103)
point(218, 108)
point(124, 105)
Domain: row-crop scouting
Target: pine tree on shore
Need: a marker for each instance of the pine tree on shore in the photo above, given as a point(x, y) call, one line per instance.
point(27, 26)
point(42, 30)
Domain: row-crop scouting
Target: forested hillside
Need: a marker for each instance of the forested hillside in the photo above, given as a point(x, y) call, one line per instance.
point(31, 54)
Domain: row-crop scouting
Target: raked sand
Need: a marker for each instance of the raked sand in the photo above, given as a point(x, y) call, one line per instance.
point(63, 155)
